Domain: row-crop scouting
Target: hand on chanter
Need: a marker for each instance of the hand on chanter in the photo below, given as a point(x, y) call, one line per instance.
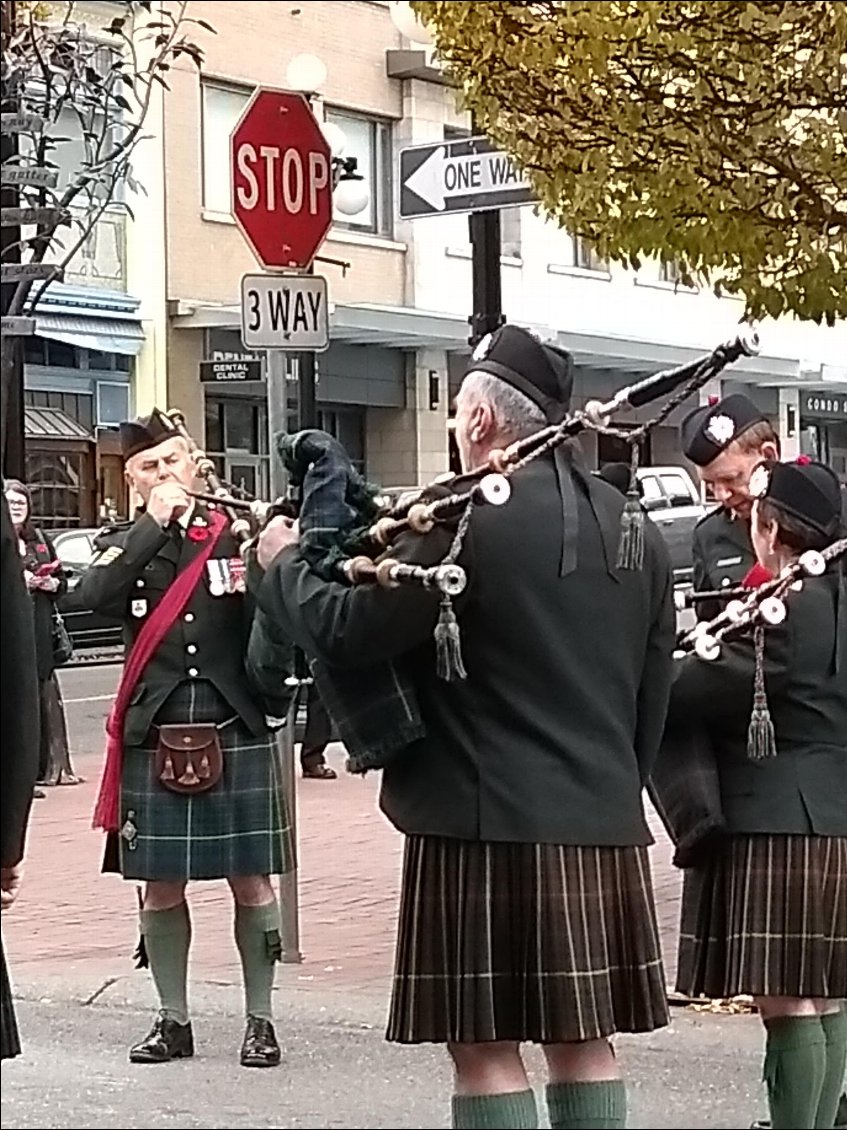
point(278, 535)
point(167, 502)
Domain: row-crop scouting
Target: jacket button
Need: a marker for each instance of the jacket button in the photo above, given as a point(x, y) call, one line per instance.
point(192, 649)
point(189, 617)
point(725, 583)
point(193, 672)
point(139, 584)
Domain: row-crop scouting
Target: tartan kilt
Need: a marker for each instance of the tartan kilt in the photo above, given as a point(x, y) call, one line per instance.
point(767, 916)
point(240, 827)
point(546, 943)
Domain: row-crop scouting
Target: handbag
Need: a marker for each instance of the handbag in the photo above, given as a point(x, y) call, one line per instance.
point(63, 648)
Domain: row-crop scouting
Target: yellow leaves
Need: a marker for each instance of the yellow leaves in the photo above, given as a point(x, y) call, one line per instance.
point(711, 133)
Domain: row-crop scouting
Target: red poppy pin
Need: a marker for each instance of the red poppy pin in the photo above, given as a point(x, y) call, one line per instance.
point(198, 533)
point(41, 547)
point(803, 460)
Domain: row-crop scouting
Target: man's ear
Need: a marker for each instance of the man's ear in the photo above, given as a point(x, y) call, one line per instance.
point(483, 423)
point(770, 450)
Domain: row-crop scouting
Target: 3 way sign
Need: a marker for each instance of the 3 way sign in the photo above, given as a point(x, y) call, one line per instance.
point(285, 312)
point(459, 176)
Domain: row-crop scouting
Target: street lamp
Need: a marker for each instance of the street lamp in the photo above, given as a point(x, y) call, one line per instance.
point(351, 196)
point(408, 24)
point(306, 73)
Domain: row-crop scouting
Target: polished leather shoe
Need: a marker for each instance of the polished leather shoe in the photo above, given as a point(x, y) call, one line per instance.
point(166, 1040)
point(260, 1048)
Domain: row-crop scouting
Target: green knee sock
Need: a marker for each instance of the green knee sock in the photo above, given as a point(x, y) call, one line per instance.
point(590, 1105)
point(258, 941)
point(795, 1065)
point(167, 938)
point(514, 1111)
point(834, 1026)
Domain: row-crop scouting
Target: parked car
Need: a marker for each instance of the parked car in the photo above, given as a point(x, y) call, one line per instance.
point(87, 628)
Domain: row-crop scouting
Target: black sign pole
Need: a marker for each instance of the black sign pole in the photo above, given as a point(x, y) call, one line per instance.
point(307, 370)
point(487, 313)
point(13, 454)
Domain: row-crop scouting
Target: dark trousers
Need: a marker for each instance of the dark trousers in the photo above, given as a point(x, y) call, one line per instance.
point(318, 731)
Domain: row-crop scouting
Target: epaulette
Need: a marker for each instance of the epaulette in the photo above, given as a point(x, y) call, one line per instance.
point(114, 528)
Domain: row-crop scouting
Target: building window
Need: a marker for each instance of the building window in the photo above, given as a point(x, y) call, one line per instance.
point(585, 257)
point(221, 107)
point(348, 427)
point(510, 232)
point(56, 481)
point(46, 351)
point(112, 403)
point(369, 141)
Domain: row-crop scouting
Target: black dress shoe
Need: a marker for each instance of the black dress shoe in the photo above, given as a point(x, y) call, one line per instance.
point(166, 1040)
point(260, 1048)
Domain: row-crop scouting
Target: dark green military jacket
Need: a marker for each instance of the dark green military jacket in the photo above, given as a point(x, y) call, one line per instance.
point(551, 736)
point(135, 565)
point(723, 555)
point(804, 788)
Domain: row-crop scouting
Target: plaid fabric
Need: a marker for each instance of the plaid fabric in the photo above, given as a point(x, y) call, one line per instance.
point(538, 942)
point(375, 709)
point(240, 827)
point(684, 787)
point(767, 916)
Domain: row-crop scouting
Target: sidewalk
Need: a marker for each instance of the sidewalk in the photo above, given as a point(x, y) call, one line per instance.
point(73, 918)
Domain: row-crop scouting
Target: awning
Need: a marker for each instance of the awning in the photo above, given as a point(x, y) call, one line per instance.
point(108, 335)
point(52, 423)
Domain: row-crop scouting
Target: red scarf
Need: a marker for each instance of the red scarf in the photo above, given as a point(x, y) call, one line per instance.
point(166, 614)
point(758, 575)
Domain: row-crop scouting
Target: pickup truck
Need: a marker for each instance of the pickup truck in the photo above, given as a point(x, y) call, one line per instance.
point(673, 502)
point(669, 496)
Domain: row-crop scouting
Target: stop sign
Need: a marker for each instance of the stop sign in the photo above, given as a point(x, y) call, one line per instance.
point(281, 179)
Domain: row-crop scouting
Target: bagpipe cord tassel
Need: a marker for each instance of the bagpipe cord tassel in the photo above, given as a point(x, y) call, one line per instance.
point(761, 739)
point(631, 546)
point(449, 664)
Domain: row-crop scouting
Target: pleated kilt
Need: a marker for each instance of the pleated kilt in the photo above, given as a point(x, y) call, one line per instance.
point(10, 1044)
point(767, 916)
point(239, 827)
point(528, 942)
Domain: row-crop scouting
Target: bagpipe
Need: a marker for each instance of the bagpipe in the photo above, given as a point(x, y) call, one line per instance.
point(347, 535)
point(765, 605)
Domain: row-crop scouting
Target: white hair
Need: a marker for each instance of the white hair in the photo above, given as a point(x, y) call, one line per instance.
point(515, 415)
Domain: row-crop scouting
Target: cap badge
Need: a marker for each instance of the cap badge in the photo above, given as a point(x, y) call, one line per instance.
point(720, 428)
point(759, 480)
point(483, 347)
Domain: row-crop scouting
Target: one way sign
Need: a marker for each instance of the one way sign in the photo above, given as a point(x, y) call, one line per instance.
point(285, 312)
point(458, 176)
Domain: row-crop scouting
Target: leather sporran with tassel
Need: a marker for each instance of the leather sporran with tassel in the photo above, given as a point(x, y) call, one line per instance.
point(189, 758)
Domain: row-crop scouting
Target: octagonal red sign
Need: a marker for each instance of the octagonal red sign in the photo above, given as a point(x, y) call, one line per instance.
point(281, 179)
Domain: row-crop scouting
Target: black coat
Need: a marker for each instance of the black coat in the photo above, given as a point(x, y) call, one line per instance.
point(135, 565)
point(40, 551)
point(803, 789)
point(20, 699)
point(551, 737)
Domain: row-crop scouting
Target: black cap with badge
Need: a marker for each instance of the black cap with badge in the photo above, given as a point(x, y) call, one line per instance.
point(709, 430)
point(144, 433)
point(805, 490)
point(543, 373)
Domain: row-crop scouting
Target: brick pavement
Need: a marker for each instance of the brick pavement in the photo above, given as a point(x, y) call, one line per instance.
point(72, 919)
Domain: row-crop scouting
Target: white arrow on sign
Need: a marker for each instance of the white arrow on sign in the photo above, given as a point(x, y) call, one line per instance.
point(442, 176)
point(285, 312)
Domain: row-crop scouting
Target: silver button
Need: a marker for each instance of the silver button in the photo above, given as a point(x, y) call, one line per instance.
point(139, 584)
point(189, 617)
point(192, 649)
point(193, 672)
point(725, 583)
